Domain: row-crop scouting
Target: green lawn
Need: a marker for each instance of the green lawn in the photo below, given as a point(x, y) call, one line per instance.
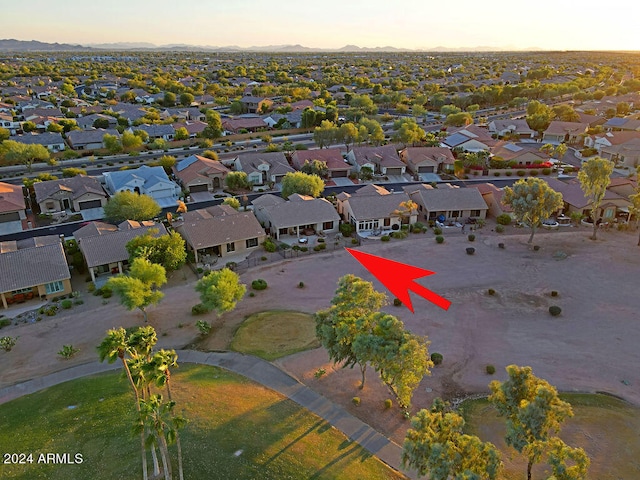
point(276, 333)
point(607, 428)
point(237, 430)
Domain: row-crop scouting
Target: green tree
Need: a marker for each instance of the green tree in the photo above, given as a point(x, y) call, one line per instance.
point(214, 124)
point(52, 127)
point(28, 127)
point(539, 116)
point(101, 123)
point(635, 201)
point(237, 181)
point(181, 134)
point(408, 132)
point(308, 118)
point(302, 183)
point(112, 143)
point(556, 152)
point(325, 134)
point(400, 357)
point(131, 141)
point(167, 162)
point(169, 99)
point(166, 250)
point(5, 134)
point(138, 289)
point(348, 134)
point(567, 463)
point(15, 153)
point(128, 205)
point(220, 290)
point(532, 201)
point(436, 446)
point(459, 119)
point(532, 409)
point(186, 99)
point(315, 167)
point(233, 202)
point(565, 113)
point(373, 134)
point(594, 177)
point(350, 315)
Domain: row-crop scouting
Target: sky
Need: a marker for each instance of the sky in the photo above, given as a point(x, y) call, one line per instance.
point(410, 24)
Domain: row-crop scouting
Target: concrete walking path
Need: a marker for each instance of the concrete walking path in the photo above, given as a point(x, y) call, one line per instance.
point(258, 370)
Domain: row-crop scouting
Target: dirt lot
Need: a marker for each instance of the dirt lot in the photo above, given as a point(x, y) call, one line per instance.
point(592, 346)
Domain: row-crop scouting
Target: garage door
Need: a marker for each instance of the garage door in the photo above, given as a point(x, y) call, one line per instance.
point(394, 171)
point(9, 217)
point(340, 173)
point(198, 188)
point(91, 204)
point(425, 169)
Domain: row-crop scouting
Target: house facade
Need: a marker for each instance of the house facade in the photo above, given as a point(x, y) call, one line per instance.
point(33, 268)
point(428, 159)
point(12, 208)
point(337, 166)
point(383, 160)
point(200, 174)
point(89, 139)
point(447, 203)
point(152, 181)
point(75, 194)
point(263, 167)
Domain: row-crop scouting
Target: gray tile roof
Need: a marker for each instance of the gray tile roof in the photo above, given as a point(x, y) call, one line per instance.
point(441, 199)
point(31, 266)
point(300, 211)
point(110, 246)
point(84, 137)
point(205, 231)
point(77, 186)
point(367, 207)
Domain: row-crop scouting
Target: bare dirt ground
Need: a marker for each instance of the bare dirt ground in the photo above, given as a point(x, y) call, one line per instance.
point(591, 347)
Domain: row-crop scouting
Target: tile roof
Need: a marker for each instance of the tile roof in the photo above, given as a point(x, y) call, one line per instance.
point(276, 160)
point(203, 231)
point(83, 137)
point(300, 210)
point(385, 156)
point(366, 207)
point(196, 167)
point(441, 199)
point(42, 263)
point(77, 186)
point(11, 198)
point(110, 246)
point(331, 156)
point(46, 138)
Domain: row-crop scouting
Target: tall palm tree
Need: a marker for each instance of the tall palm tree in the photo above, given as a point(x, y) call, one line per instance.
point(113, 347)
point(160, 366)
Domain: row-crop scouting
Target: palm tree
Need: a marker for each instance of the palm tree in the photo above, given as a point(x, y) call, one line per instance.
point(115, 346)
point(160, 365)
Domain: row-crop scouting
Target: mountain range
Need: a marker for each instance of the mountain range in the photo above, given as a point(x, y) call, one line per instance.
point(12, 45)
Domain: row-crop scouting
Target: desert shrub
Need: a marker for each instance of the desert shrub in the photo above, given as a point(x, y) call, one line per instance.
point(68, 351)
point(355, 401)
point(496, 174)
point(269, 245)
point(491, 291)
point(508, 173)
point(51, 310)
point(321, 240)
point(436, 358)
point(397, 302)
point(471, 237)
point(490, 369)
point(554, 293)
point(200, 270)
point(301, 285)
point(533, 172)
point(546, 171)
point(5, 322)
point(198, 309)
point(354, 241)
point(304, 249)
point(504, 219)
point(263, 258)
point(437, 231)
point(554, 310)
point(106, 292)
point(66, 304)
point(521, 173)
point(203, 327)
point(439, 239)
point(385, 238)
point(7, 343)
point(317, 248)
point(471, 251)
point(400, 235)
point(231, 265)
point(346, 229)
point(252, 294)
point(500, 228)
point(388, 403)
point(259, 284)
point(322, 246)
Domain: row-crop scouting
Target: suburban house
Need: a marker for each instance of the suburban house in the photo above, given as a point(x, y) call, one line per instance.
point(447, 203)
point(33, 268)
point(492, 196)
point(331, 156)
point(104, 245)
point(89, 139)
point(87, 122)
point(427, 159)
point(622, 123)
point(519, 127)
point(263, 167)
point(564, 132)
point(193, 128)
point(76, 194)
point(165, 132)
point(374, 209)
point(298, 216)
point(252, 104)
point(382, 160)
point(238, 124)
point(50, 140)
point(469, 139)
point(200, 174)
point(519, 156)
point(12, 208)
point(284, 120)
point(625, 154)
point(575, 201)
point(609, 139)
point(219, 231)
point(6, 121)
point(152, 181)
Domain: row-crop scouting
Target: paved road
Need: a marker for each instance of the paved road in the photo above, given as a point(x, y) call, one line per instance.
point(258, 370)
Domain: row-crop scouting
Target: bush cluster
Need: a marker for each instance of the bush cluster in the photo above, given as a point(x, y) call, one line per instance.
point(490, 369)
point(259, 284)
point(554, 310)
point(499, 228)
point(198, 309)
point(439, 239)
point(436, 358)
point(471, 237)
point(385, 238)
point(397, 302)
point(504, 219)
point(437, 231)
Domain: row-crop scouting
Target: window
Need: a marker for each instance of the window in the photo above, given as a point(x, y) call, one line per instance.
point(387, 222)
point(54, 287)
point(475, 213)
point(455, 213)
point(327, 226)
point(231, 247)
point(49, 205)
point(252, 242)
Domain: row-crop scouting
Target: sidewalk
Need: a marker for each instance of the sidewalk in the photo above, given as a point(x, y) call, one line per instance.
point(259, 371)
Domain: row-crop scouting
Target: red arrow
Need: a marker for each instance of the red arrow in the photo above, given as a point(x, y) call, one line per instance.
point(399, 278)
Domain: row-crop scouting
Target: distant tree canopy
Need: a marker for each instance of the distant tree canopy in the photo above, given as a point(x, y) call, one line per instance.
point(131, 206)
point(302, 183)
